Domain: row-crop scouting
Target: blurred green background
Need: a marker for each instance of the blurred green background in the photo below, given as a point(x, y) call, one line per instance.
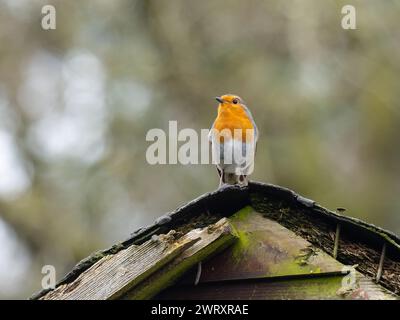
point(76, 104)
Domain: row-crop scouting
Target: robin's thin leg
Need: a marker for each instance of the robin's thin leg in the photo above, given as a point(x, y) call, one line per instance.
point(222, 178)
point(243, 181)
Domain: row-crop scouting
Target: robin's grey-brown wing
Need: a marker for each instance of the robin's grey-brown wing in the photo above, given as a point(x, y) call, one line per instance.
point(248, 112)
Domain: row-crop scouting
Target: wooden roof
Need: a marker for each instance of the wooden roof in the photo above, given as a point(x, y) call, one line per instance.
point(282, 215)
point(271, 262)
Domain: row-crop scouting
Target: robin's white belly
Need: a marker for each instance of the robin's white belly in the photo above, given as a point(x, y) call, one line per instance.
point(233, 156)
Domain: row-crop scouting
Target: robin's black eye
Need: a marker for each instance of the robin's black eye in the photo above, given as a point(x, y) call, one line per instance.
point(235, 101)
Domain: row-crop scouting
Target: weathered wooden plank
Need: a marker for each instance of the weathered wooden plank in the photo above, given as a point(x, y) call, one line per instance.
point(266, 249)
point(213, 239)
point(114, 274)
point(303, 288)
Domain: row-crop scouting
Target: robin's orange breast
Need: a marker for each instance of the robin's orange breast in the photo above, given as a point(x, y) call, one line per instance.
point(233, 118)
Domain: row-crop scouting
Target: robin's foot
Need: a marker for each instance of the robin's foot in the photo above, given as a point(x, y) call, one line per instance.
point(224, 186)
point(243, 181)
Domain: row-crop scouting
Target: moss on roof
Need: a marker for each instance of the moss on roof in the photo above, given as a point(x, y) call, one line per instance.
point(299, 214)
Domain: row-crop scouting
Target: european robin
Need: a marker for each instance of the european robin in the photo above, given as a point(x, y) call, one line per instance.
point(233, 138)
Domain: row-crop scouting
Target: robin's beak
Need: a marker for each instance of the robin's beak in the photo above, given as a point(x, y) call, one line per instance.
point(219, 99)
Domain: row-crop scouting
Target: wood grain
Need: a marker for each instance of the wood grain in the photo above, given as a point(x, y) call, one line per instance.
point(114, 275)
point(213, 240)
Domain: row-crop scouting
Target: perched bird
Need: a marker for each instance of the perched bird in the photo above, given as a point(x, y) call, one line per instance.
point(233, 137)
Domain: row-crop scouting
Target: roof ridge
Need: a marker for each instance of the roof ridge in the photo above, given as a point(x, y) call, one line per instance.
point(216, 202)
point(387, 235)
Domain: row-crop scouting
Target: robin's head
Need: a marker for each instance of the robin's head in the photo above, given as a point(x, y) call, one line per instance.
point(230, 101)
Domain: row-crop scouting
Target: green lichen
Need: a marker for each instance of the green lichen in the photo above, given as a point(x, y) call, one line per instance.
point(292, 267)
point(242, 250)
point(304, 256)
point(245, 241)
point(242, 245)
point(242, 214)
